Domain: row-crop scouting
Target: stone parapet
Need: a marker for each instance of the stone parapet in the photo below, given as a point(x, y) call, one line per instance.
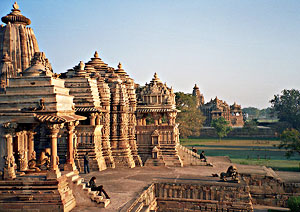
point(193, 196)
point(270, 190)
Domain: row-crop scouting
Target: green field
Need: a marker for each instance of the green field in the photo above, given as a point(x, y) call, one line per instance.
point(247, 151)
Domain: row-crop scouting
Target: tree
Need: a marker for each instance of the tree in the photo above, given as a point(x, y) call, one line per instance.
point(252, 112)
point(221, 126)
point(250, 126)
point(287, 107)
point(290, 140)
point(190, 118)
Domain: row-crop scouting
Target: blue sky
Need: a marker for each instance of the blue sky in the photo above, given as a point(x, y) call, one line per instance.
point(242, 51)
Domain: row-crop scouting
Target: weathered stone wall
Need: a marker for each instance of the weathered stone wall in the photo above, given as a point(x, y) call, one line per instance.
point(268, 190)
point(194, 196)
point(145, 202)
point(203, 197)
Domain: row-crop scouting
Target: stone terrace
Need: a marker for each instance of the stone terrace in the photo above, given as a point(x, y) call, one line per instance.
point(125, 185)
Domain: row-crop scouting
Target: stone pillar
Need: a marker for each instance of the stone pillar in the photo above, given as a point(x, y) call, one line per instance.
point(9, 169)
point(54, 172)
point(70, 165)
point(31, 152)
point(23, 164)
point(98, 119)
point(93, 119)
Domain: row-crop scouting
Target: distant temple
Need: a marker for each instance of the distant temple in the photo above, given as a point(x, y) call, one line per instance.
point(216, 108)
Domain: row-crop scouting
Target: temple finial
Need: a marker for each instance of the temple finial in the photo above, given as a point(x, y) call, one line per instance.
point(81, 65)
point(96, 55)
point(16, 6)
point(120, 65)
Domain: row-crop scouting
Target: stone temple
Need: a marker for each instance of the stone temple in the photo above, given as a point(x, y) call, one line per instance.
point(49, 121)
point(217, 108)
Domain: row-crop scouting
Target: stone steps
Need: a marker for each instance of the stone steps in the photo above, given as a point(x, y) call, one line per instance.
point(84, 192)
point(36, 195)
point(189, 157)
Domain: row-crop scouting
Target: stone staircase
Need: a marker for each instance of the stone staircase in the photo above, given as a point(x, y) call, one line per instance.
point(170, 155)
point(189, 157)
point(84, 195)
point(36, 193)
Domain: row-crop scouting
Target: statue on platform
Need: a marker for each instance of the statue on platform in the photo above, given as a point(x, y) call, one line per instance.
point(231, 173)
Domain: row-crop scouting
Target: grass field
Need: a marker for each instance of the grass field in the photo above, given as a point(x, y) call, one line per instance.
point(247, 151)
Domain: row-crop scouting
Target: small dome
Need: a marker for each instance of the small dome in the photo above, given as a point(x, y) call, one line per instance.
point(35, 70)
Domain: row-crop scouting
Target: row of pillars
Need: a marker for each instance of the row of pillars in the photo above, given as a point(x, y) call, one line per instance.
point(9, 170)
point(141, 120)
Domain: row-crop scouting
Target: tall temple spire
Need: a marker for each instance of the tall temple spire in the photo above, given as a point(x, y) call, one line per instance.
point(17, 41)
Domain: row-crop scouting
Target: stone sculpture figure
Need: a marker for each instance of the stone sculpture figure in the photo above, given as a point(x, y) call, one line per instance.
point(231, 173)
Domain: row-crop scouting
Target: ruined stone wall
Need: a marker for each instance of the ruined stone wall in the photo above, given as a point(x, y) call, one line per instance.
point(267, 190)
point(194, 196)
point(203, 197)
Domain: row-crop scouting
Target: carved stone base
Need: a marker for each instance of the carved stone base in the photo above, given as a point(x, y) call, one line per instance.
point(70, 167)
point(123, 158)
point(137, 160)
point(110, 163)
point(53, 174)
point(31, 193)
point(154, 162)
point(9, 173)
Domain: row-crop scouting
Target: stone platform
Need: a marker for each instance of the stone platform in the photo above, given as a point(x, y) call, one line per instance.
point(125, 186)
point(33, 192)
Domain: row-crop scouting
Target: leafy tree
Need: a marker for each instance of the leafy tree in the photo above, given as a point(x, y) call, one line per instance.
point(190, 118)
point(290, 140)
point(287, 107)
point(250, 126)
point(294, 203)
point(221, 126)
point(252, 112)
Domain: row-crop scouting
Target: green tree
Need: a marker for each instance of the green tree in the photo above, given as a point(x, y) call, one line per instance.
point(250, 126)
point(290, 140)
point(221, 126)
point(190, 118)
point(287, 107)
point(252, 112)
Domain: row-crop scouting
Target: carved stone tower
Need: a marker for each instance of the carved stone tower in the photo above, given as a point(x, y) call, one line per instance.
point(19, 42)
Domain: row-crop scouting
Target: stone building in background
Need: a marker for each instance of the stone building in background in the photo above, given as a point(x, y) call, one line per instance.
point(216, 108)
point(199, 96)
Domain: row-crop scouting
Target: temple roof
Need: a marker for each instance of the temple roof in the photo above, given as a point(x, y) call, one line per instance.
point(15, 17)
point(58, 118)
point(156, 110)
point(87, 109)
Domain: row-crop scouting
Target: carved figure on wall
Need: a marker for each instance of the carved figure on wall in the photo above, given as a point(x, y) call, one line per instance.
point(9, 161)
